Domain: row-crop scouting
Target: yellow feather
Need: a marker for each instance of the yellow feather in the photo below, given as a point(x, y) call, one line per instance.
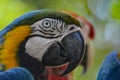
point(10, 46)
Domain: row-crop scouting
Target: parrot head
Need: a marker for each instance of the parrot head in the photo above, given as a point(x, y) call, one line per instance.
point(49, 36)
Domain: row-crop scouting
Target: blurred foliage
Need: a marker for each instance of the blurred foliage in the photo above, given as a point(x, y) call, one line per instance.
point(115, 7)
point(9, 10)
point(77, 5)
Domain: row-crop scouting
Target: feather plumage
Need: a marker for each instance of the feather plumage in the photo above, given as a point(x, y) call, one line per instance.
point(16, 74)
point(110, 68)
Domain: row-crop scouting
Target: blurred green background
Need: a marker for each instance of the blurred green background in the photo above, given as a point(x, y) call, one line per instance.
point(103, 14)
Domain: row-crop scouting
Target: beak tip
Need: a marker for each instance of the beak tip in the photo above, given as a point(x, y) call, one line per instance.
point(85, 68)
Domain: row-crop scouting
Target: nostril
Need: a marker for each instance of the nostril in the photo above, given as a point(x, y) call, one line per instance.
point(71, 28)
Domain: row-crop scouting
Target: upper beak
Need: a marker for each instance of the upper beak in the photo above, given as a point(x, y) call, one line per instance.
point(69, 50)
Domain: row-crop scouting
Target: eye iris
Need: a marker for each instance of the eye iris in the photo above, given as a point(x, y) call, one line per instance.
point(46, 23)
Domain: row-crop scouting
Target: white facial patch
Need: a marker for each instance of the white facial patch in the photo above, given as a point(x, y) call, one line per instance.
point(36, 46)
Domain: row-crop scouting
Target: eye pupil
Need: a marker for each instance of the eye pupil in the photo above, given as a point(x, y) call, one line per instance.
point(46, 23)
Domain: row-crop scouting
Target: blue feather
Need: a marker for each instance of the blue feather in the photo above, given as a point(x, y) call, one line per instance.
point(110, 68)
point(16, 74)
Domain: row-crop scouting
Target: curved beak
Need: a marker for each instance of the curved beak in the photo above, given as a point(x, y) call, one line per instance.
point(69, 50)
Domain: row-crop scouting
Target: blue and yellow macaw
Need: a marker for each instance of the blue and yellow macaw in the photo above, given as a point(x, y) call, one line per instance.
point(42, 38)
point(110, 68)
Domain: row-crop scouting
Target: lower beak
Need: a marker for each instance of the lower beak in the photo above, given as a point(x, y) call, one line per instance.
point(70, 50)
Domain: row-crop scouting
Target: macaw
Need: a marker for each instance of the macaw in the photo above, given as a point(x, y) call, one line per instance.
point(89, 33)
point(42, 38)
point(110, 68)
point(17, 73)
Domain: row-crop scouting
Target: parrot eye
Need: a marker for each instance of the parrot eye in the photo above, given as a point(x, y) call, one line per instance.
point(46, 23)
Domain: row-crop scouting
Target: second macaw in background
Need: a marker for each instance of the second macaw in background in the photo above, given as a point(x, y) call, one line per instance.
point(110, 68)
point(89, 34)
point(18, 73)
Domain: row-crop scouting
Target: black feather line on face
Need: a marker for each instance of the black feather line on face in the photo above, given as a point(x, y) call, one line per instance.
point(45, 29)
point(45, 36)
